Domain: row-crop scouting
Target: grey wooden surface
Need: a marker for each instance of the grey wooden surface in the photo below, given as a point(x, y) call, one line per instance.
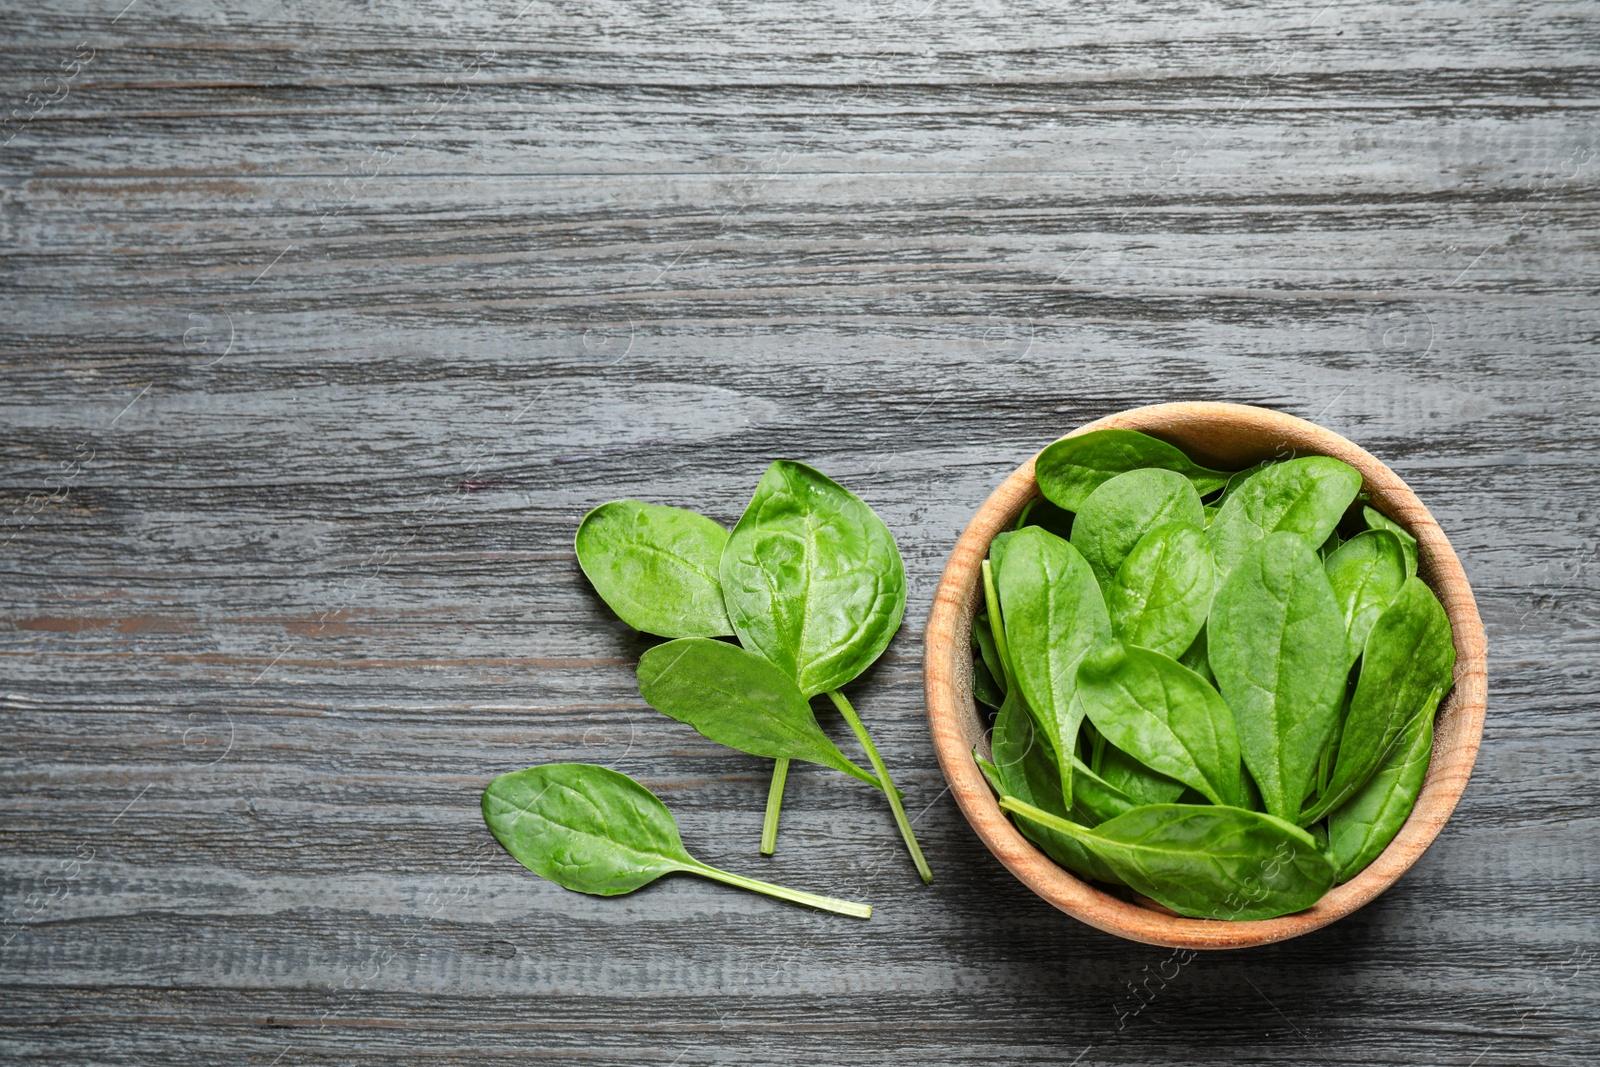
point(324, 323)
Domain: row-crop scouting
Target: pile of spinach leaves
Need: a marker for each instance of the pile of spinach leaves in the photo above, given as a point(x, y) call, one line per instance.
point(1215, 689)
point(810, 584)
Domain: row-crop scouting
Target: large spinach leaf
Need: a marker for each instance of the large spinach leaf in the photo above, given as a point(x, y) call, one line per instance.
point(1124, 509)
point(1275, 641)
point(1408, 655)
point(1165, 715)
point(1161, 594)
point(1364, 825)
point(595, 831)
point(1053, 614)
point(1202, 861)
point(656, 567)
point(1072, 468)
point(1304, 496)
point(812, 579)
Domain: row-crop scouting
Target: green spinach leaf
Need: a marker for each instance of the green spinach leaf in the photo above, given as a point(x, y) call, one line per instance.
point(1161, 594)
point(1408, 543)
point(1407, 656)
point(1202, 861)
point(1074, 467)
point(1366, 572)
point(812, 579)
point(1134, 780)
point(1127, 507)
point(1166, 716)
point(1053, 615)
point(595, 831)
point(1365, 824)
point(737, 698)
point(656, 567)
point(1197, 658)
point(1303, 496)
point(1276, 645)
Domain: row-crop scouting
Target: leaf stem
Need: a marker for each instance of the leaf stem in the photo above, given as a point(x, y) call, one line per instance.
point(889, 790)
point(769, 825)
point(797, 896)
point(997, 624)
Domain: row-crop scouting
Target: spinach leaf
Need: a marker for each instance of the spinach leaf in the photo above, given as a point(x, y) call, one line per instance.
point(1053, 614)
point(1094, 797)
point(595, 831)
point(1408, 543)
point(1366, 572)
point(656, 567)
point(812, 579)
point(983, 637)
point(1276, 644)
point(1160, 596)
point(997, 547)
point(1024, 766)
point(1127, 507)
point(1365, 824)
point(1407, 656)
point(1164, 715)
point(1134, 780)
point(1303, 496)
point(1074, 467)
point(1040, 512)
point(1202, 861)
point(986, 690)
point(737, 698)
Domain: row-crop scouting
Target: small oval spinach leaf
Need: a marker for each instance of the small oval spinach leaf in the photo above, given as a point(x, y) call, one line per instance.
point(595, 831)
point(1366, 572)
point(656, 567)
point(812, 579)
point(1161, 594)
point(1125, 508)
point(1202, 861)
point(1275, 641)
point(1164, 715)
point(1408, 544)
point(1072, 468)
point(1304, 496)
point(737, 698)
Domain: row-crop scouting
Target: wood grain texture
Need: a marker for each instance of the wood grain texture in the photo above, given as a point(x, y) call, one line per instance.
point(324, 324)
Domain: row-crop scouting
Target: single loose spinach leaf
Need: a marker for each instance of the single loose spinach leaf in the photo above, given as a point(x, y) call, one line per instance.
point(1407, 656)
point(1275, 641)
point(1161, 594)
point(656, 567)
point(737, 698)
point(1408, 543)
point(1303, 496)
point(1164, 715)
point(1127, 507)
point(812, 579)
point(1025, 767)
point(1205, 862)
point(1364, 825)
point(1074, 467)
point(1134, 780)
point(1053, 615)
point(1366, 572)
point(595, 831)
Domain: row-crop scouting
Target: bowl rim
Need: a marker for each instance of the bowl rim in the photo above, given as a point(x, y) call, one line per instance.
point(956, 724)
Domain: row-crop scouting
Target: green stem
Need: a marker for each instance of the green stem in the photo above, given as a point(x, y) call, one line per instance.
point(769, 826)
point(997, 624)
point(889, 790)
point(815, 900)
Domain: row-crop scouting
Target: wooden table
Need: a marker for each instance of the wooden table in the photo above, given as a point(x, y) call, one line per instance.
point(324, 324)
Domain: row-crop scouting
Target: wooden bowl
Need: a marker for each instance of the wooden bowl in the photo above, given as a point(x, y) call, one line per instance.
point(1227, 436)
